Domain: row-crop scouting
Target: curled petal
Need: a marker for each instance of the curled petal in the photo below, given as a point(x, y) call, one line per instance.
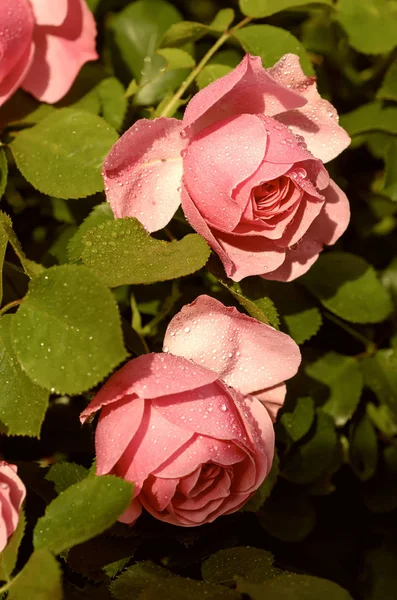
point(317, 120)
point(60, 52)
point(150, 376)
point(249, 88)
point(143, 172)
point(334, 217)
point(272, 399)
point(132, 513)
point(248, 355)
point(298, 260)
point(219, 159)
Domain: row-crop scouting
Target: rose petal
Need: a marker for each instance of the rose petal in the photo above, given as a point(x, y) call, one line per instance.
point(51, 12)
point(249, 88)
point(116, 428)
point(131, 514)
point(308, 210)
point(209, 410)
point(154, 443)
point(158, 493)
point(188, 483)
point(245, 353)
point(217, 160)
point(198, 451)
point(219, 489)
point(60, 53)
point(316, 121)
point(334, 217)
point(298, 260)
point(13, 80)
point(143, 172)
point(272, 399)
point(150, 376)
point(16, 28)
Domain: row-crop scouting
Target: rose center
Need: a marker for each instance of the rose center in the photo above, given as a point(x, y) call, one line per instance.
point(272, 196)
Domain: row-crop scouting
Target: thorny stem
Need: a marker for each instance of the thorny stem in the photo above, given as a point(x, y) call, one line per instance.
point(169, 109)
point(10, 305)
point(370, 347)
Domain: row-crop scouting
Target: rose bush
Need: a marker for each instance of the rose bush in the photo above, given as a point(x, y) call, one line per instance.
point(189, 426)
point(12, 494)
point(43, 45)
point(246, 162)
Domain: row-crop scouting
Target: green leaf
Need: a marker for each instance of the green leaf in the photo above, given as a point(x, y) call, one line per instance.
point(370, 117)
point(344, 381)
point(252, 295)
point(183, 32)
point(211, 73)
point(226, 566)
point(30, 267)
point(390, 184)
point(271, 43)
point(388, 89)
point(382, 418)
point(298, 312)
point(222, 20)
point(40, 579)
point(9, 556)
point(298, 423)
point(147, 581)
point(122, 252)
point(177, 58)
point(64, 474)
point(81, 512)
point(297, 587)
point(67, 333)
point(138, 30)
point(289, 517)
point(3, 171)
point(113, 102)
point(370, 26)
point(347, 285)
point(23, 404)
point(264, 8)
point(62, 155)
point(265, 489)
point(380, 491)
point(380, 374)
point(363, 448)
point(3, 248)
point(99, 214)
point(312, 457)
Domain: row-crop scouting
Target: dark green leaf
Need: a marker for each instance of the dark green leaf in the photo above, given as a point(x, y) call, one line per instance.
point(181, 33)
point(226, 566)
point(347, 285)
point(67, 333)
point(312, 457)
point(264, 8)
point(81, 512)
point(371, 27)
point(99, 214)
point(3, 171)
point(382, 418)
point(390, 184)
point(122, 252)
point(298, 423)
point(23, 404)
point(9, 556)
point(40, 579)
point(380, 374)
point(252, 295)
point(289, 517)
point(271, 43)
point(62, 155)
point(297, 587)
point(113, 101)
point(363, 448)
point(64, 474)
point(30, 267)
point(138, 577)
point(344, 380)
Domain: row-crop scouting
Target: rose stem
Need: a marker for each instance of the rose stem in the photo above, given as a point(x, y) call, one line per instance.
point(169, 109)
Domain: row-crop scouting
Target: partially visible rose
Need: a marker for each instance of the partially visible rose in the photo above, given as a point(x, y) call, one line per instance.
point(246, 162)
point(195, 447)
point(43, 45)
point(12, 494)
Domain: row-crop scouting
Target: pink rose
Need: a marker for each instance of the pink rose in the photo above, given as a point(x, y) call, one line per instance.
point(12, 494)
point(246, 163)
point(189, 426)
point(43, 45)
